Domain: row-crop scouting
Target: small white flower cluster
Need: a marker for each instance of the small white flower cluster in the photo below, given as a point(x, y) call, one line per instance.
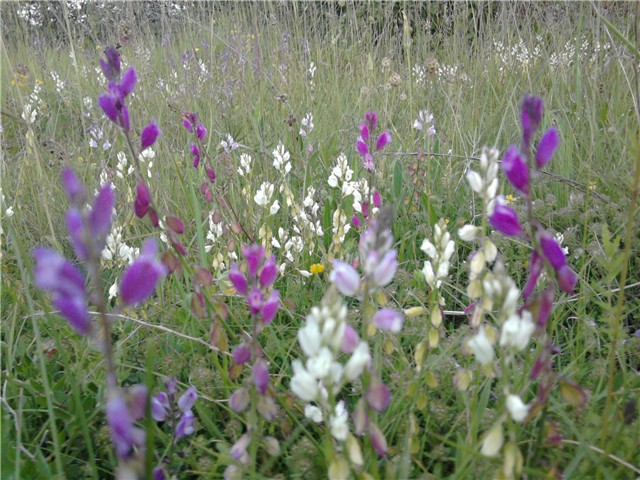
point(7, 212)
point(418, 72)
point(307, 223)
point(311, 73)
point(290, 244)
point(30, 108)
point(116, 251)
point(324, 337)
point(281, 159)
point(440, 254)
point(307, 125)
point(147, 156)
point(221, 254)
point(485, 183)
point(263, 197)
point(123, 168)
point(341, 176)
point(245, 165)
point(59, 83)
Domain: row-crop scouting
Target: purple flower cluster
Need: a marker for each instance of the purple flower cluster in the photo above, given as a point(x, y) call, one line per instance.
point(365, 145)
point(519, 168)
point(123, 409)
point(254, 285)
point(88, 228)
point(166, 407)
point(198, 150)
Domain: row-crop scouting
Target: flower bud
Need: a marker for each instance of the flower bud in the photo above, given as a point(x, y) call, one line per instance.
point(345, 278)
point(388, 319)
point(149, 135)
point(547, 147)
point(505, 220)
point(516, 170)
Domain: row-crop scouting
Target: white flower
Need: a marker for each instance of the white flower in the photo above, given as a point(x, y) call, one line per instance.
point(245, 164)
point(281, 159)
point(481, 347)
point(229, 144)
point(517, 331)
point(468, 233)
point(309, 337)
point(263, 195)
point(9, 212)
point(428, 248)
point(320, 365)
point(424, 118)
point(303, 384)
point(313, 413)
point(339, 427)
point(517, 408)
point(274, 207)
point(113, 290)
point(358, 361)
point(475, 181)
point(492, 442)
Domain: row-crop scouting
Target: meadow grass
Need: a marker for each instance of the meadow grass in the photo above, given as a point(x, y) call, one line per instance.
point(245, 70)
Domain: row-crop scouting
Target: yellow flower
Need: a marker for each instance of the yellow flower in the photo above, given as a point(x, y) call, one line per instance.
point(510, 198)
point(316, 268)
point(592, 186)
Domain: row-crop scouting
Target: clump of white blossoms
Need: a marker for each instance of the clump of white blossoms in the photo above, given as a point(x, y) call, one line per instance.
point(325, 339)
point(281, 159)
point(245, 164)
point(307, 125)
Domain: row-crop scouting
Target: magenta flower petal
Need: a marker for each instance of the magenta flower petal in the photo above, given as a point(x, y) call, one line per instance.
point(121, 425)
point(372, 120)
point(388, 319)
point(505, 220)
point(547, 147)
point(128, 82)
point(567, 279)
point(102, 214)
point(383, 140)
point(141, 277)
point(531, 113)
point(201, 131)
point(255, 300)
point(553, 251)
point(75, 228)
point(55, 273)
point(261, 376)
point(149, 135)
point(377, 199)
point(545, 306)
point(516, 170)
point(271, 307)
point(123, 118)
point(269, 272)
point(349, 340)
point(74, 188)
point(535, 269)
point(143, 199)
point(75, 310)
point(254, 255)
point(210, 173)
point(238, 280)
point(111, 66)
point(378, 441)
point(345, 278)
point(108, 107)
point(187, 124)
point(378, 395)
point(362, 147)
point(364, 131)
point(241, 354)
point(159, 407)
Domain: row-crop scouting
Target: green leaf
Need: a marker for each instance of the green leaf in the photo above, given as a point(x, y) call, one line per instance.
point(432, 216)
point(397, 181)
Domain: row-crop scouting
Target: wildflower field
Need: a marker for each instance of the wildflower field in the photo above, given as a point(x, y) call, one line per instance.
point(367, 240)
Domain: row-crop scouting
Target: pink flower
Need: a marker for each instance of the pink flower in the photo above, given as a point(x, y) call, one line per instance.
point(149, 135)
point(141, 277)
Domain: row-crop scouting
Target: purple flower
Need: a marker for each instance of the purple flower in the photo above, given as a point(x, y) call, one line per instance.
point(345, 278)
point(140, 278)
point(547, 147)
point(239, 449)
point(137, 400)
point(123, 433)
point(108, 106)
point(187, 124)
point(388, 319)
point(210, 173)
point(241, 354)
point(261, 376)
point(355, 221)
point(378, 441)
point(75, 310)
point(239, 400)
point(349, 340)
point(75, 227)
point(505, 220)
point(269, 272)
point(368, 163)
point(545, 305)
point(385, 269)
point(188, 399)
point(271, 307)
point(531, 112)
point(372, 120)
point(160, 407)
point(201, 131)
point(158, 474)
point(74, 188)
point(111, 66)
point(143, 200)
point(378, 395)
point(377, 199)
point(516, 170)
point(101, 214)
point(254, 255)
point(383, 140)
point(567, 279)
point(364, 131)
point(128, 82)
point(362, 147)
point(238, 280)
point(255, 301)
point(535, 269)
point(553, 251)
point(186, 425)
point(149, 135)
